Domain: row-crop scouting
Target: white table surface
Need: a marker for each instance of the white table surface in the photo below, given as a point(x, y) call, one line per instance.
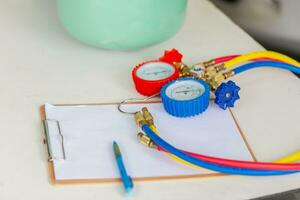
point(40, 63)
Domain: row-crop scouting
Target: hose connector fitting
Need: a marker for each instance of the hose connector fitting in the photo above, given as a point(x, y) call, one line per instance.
point(209, 63)
point(146, 141)
point(215, 81)
point(139, 119)
point(185, 71)
point(148, 116)
point(208, 73)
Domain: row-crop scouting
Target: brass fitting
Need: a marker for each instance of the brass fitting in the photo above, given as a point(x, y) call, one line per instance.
point(215, 81)
point(220, 67)
point(179, 65)
point(147, 116)
point(146, 141)
point(208, 73)
point(184, 69)
point(209, 63)
point(197, 71)
point(139, 119)
point(229, 74)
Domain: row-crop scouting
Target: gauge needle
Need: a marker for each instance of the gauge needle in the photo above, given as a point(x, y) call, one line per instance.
point(149, 73)
point(186, 91)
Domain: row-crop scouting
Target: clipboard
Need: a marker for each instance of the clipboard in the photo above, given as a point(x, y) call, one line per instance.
point(51, 159)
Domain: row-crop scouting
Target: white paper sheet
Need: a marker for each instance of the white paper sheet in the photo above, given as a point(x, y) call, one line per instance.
point(89, 132)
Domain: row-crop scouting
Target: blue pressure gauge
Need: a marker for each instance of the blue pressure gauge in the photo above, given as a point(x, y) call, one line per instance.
point(185, 97)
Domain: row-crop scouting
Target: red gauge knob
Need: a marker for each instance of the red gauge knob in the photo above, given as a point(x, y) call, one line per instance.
point(149, 77)
point(172, 56)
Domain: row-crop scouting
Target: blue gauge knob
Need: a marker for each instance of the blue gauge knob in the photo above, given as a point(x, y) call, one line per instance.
point(185, 97)
point(227, 94)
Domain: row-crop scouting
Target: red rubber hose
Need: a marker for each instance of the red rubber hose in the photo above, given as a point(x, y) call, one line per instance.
point(243, 164)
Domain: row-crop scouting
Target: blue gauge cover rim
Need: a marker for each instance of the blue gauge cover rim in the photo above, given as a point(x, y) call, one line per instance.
point(187, 108)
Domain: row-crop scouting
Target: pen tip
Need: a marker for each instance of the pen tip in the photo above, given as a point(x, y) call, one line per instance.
point(116, 148)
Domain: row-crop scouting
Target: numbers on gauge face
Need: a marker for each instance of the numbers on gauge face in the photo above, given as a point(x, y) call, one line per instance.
point(154, 71)
point(185, 90)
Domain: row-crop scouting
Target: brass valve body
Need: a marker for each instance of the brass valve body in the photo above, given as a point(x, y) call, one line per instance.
point(145, 140)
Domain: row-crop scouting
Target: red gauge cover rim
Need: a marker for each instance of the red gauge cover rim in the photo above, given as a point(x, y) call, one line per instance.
point(150, 87)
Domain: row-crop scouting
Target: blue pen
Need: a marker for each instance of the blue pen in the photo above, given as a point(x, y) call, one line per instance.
point(127, 181)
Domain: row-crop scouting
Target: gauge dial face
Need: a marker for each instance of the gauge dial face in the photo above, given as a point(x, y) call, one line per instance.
point(185, 90)
point(155, 71)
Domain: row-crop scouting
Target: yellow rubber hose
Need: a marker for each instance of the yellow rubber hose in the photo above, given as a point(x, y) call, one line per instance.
point(260, 54)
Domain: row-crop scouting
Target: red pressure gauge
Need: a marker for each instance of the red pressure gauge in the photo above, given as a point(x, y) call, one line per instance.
point(150, 76)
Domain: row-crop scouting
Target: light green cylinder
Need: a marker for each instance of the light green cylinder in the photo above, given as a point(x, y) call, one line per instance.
point(122, 24)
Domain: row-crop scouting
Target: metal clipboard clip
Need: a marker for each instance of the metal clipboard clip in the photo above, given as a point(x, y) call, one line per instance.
point(47, 140)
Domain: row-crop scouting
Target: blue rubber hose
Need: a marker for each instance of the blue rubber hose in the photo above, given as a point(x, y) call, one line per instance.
point(223, 169)
point(273, 64)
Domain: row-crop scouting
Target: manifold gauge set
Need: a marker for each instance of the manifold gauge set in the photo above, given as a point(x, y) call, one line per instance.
point(186, 91)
